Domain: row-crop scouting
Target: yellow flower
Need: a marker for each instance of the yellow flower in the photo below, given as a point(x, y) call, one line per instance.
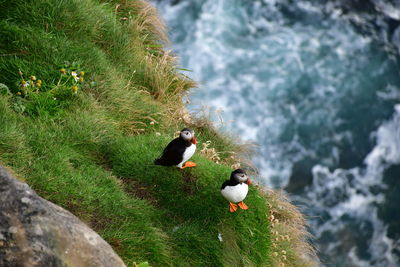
point(82, 73)
point(38, 84)
point(33, 78)
point(23, 82)
point(39, 81)
point(81, 79)
point(18, 93)
point(63, 71)
point(74, 89)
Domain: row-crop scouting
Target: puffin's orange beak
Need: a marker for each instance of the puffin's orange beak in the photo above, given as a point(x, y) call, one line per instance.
point(194, 140)
point(248, 181)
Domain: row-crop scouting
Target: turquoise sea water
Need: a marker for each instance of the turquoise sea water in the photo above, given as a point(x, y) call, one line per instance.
point(317, 85)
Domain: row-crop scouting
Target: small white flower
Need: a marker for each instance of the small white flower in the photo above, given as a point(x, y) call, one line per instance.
point(74, 74)
point(54, 98)
point(220, 237)
point(26, 84)
point(76, 78)
point(158, 134)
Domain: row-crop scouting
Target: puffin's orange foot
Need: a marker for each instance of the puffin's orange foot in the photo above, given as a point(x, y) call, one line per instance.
point(232, 207)
point(243, 206)
point(189, 164)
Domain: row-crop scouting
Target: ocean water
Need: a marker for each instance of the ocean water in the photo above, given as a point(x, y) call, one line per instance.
point(317, 85)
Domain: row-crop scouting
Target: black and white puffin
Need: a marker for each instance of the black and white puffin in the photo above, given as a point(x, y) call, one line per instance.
point(235, 189)
point(179, 150)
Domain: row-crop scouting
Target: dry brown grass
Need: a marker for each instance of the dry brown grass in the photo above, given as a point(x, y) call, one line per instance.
point(165, 82)
point(209, 152)
point(290, 238)
point(221, 146)
point(161, 73)
point(145, 20)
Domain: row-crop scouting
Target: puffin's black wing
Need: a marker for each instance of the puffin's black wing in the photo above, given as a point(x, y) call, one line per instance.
point(229, 183)
point(172, 154)
point(225, 184)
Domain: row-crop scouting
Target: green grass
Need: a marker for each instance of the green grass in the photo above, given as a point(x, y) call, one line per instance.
point(92, 152)
point(160, 214)
point(192, 205)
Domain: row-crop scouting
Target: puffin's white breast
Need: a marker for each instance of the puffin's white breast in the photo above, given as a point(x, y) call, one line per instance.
point(235, 193)
point(188, 154)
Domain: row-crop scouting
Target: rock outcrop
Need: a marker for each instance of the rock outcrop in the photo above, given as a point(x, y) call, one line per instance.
point(35, 232)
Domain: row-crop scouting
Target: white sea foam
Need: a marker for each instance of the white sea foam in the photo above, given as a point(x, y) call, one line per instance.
point(349, 193)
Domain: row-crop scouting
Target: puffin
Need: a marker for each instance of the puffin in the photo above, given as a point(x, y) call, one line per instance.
point(179, 150)
point(235, 189)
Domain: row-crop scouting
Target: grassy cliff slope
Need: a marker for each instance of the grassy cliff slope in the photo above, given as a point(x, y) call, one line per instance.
point(85, 136)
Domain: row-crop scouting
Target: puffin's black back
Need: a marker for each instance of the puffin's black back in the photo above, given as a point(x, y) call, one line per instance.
point(173, 153)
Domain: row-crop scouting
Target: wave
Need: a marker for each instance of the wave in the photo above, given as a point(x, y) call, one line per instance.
point(345, 205)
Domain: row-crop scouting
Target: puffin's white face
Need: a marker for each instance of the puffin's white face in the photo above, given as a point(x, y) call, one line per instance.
point(187, 135)
point(241, 177)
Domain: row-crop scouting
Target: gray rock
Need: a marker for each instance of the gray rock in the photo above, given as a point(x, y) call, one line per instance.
point(35, 232)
